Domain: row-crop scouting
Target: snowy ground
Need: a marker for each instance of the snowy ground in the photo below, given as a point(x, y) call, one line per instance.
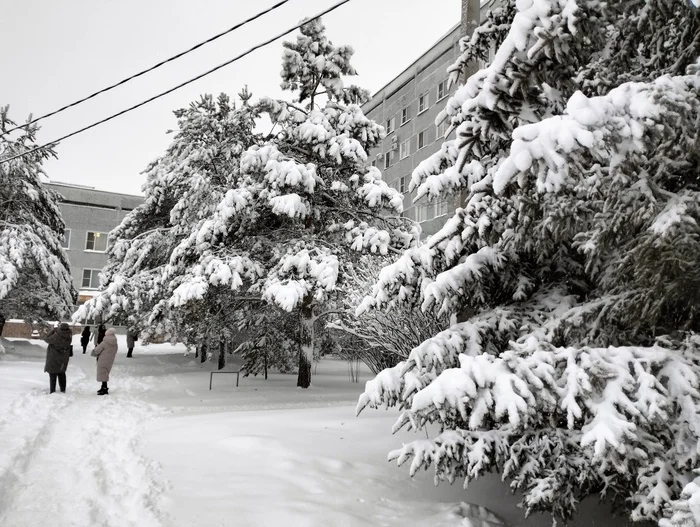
point(163, 450)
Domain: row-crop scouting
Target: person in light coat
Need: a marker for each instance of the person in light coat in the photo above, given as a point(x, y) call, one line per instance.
point(58, 355)
point(105, 353)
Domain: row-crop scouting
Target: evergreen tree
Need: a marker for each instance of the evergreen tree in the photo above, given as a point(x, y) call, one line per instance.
point(35, 279)
point(149, 252)
point(238, 231)
point(572, 363)
point(305, 203)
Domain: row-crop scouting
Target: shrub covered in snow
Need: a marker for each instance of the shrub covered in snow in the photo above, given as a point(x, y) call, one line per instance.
point(573, 366)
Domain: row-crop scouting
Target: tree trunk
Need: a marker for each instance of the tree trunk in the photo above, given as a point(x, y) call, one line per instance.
point(306, 345)
point(265, 362)
point(203, 353)
point(222, 353)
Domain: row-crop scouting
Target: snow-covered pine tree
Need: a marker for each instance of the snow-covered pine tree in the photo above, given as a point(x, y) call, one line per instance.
point(35, 279)
point(149, 252)
point(306, 202)
point(577, 371)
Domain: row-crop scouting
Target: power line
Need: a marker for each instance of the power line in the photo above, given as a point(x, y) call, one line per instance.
point(140, 73)
point(190, 81)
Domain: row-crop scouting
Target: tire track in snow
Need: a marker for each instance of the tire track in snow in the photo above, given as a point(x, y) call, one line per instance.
point(25, 428)
point(76, 460)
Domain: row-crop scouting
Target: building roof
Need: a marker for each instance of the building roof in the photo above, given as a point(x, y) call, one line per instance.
point(89, 196)
point(408, 72)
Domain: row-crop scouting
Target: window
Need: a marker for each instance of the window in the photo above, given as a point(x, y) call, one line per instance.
point(65, 241)
point(390, 125)
point(422, 139)
point(404, 115)
point(442, 129)
point(96, 241)
point(374, 162)
point(388, 159)
point(402, 185)
point(441, 207)
point(404, 149)
point(423, 103)
point(442, 90)
point(421, 212)
point(91, 278)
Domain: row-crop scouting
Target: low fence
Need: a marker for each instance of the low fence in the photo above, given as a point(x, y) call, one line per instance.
point(19, 329)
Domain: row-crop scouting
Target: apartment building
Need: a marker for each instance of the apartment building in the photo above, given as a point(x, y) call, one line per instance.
point(407, 107)
point(89, 215)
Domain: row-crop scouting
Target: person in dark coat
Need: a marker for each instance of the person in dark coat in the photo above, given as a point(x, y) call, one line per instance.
point(105, 353)
point(85, 338)
point(58, 355)
point(100, 334)
point(131, 337)
point(2, 323)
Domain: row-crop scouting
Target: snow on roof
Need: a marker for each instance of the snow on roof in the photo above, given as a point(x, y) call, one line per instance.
point(92, 293)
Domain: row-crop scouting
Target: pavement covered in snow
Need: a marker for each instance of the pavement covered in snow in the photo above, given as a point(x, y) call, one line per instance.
point(163, 450)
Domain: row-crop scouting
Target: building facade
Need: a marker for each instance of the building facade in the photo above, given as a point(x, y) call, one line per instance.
point(407, 107)
point(89, 215)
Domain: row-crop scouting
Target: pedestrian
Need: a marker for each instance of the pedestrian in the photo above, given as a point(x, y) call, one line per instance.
point(131, 336)
point(85, 338)
point(58, 355)
point(100, 334)
point(2, 323)
point(105, 353)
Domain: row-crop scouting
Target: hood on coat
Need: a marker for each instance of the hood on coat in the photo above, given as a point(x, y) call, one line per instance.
point(63, 325)
point(65, 332)
point(111, 331)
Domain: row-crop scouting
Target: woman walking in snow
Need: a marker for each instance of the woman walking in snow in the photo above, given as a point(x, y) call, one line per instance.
point(105, 353)
point(85, 338)
point(58, 355)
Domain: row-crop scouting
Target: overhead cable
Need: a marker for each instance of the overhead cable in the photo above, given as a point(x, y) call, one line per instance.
point(190, 81)
point(156, 66)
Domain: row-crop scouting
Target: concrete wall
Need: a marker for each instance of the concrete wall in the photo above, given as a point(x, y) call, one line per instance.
point(21, 330)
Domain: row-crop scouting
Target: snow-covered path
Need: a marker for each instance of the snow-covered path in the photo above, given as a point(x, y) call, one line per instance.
point(163, 450)
point(75, 457)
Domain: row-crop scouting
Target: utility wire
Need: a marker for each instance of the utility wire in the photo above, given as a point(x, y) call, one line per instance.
point(190, 81)
point(128, 79)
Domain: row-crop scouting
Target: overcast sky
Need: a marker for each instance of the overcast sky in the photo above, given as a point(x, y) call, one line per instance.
point(57, 52)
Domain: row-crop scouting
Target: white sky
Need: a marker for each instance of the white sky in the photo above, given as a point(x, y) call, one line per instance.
point(58, 52)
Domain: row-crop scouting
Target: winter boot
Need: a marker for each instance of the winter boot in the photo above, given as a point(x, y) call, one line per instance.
point(103, 390)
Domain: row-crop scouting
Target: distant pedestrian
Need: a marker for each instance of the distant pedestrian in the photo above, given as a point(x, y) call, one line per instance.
point(131, 336)
point(105, 353)
point(100, 333)
point(2, 323)
point(58, 355)
point(85, 338)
